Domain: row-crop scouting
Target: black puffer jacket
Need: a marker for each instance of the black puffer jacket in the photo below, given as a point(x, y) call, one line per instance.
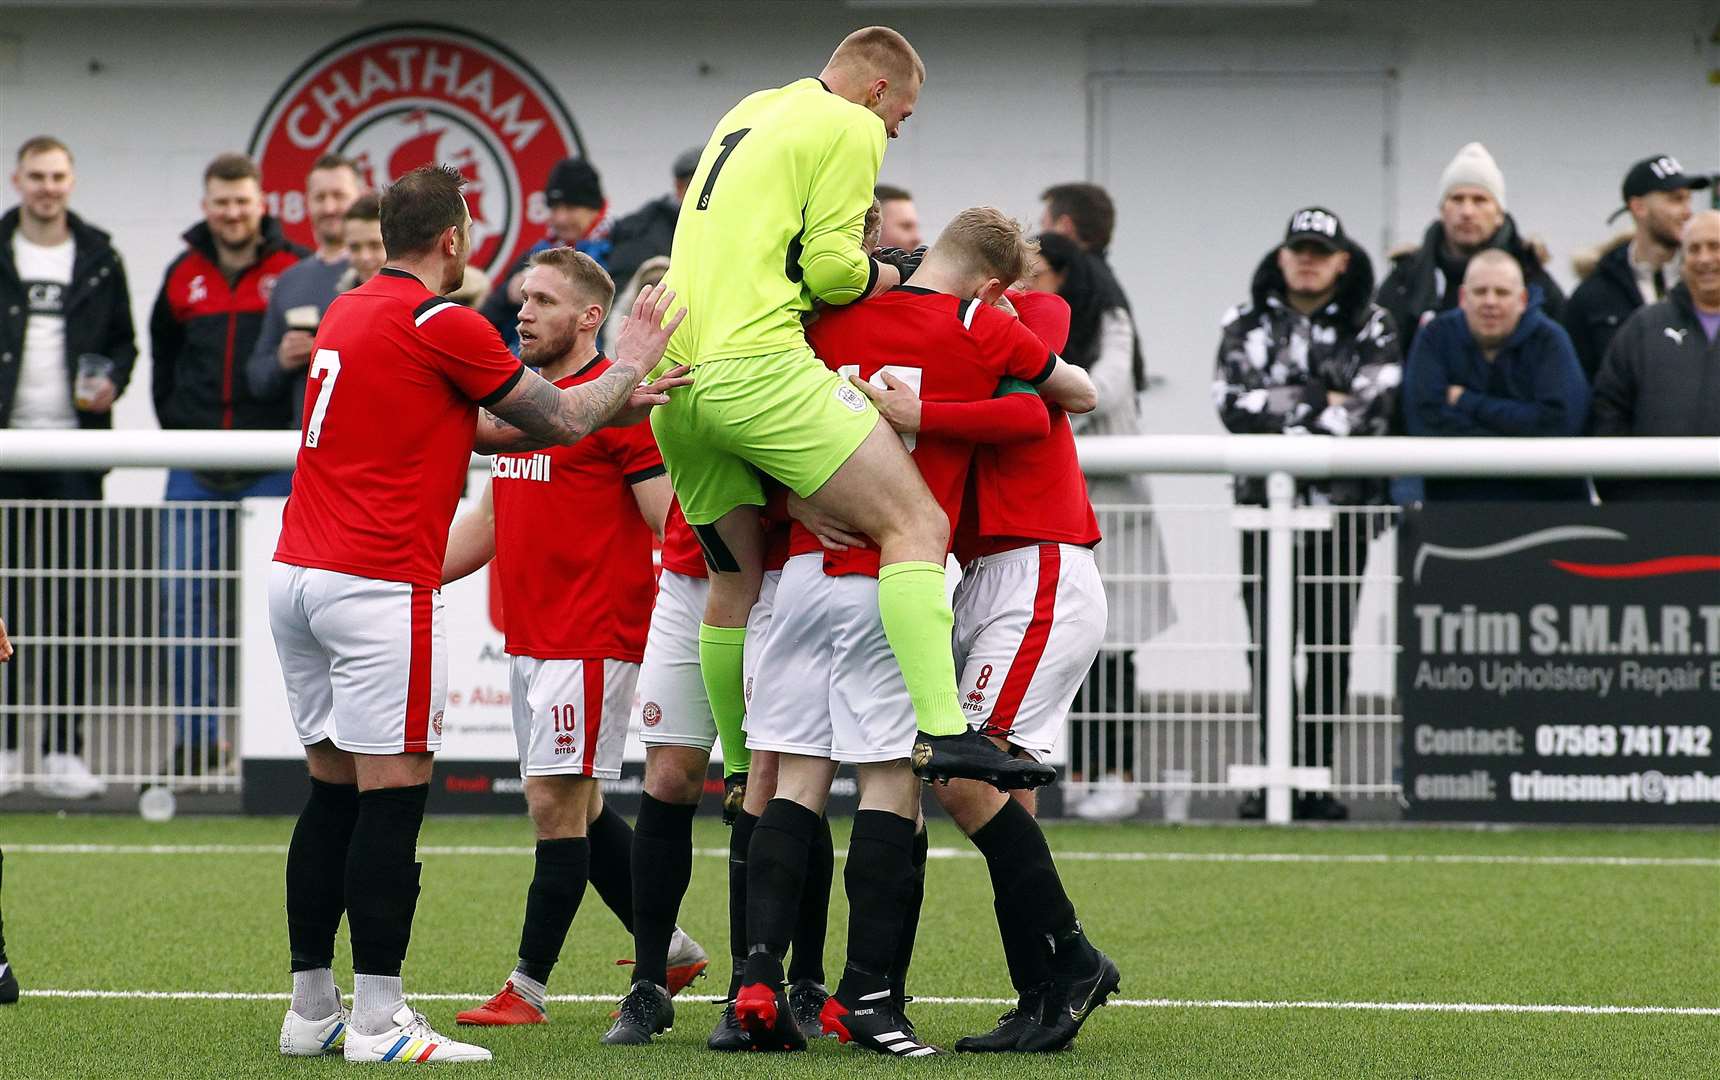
point(1423, 282)
point(646, 232)
point(1276, 367)
point(97, 308)
point(1601, 304)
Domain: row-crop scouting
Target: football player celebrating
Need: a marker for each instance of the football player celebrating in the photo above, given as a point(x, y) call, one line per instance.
point(1030, 617)
point(395, 384)
point(574, 613)
point(773, 222)
point(940, 335)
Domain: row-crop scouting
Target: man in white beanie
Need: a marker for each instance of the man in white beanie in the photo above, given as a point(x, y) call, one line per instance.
point(1425, 279)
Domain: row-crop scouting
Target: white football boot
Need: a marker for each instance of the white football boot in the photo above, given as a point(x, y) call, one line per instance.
point(411, 1041)
point(313, 1038)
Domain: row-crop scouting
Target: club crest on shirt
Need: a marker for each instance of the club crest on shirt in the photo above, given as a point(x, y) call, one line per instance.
point(395, 97)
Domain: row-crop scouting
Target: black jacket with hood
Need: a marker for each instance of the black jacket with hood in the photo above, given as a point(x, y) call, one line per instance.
point(1276, 367)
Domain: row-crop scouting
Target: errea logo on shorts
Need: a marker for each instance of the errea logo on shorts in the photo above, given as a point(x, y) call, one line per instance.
point(516, 467)
point(854, 399)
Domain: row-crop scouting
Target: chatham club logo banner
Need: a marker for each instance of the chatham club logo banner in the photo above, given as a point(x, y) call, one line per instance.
point(395, 97)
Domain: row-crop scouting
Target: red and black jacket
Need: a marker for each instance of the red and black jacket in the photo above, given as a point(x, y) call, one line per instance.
point(203, 330)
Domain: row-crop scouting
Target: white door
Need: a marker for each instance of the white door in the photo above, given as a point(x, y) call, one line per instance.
point(1205, 170)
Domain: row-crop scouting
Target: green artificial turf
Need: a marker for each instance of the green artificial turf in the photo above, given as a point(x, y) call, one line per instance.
point(1191, 930)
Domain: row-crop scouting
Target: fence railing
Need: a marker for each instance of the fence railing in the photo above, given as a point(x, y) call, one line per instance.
point(127, 614)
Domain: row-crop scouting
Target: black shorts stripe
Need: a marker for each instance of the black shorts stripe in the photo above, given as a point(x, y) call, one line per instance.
point(505, 389)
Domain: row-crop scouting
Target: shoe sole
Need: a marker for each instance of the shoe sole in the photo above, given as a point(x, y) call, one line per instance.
point(682, 977)
point(471, 1020)
point(1015, 781)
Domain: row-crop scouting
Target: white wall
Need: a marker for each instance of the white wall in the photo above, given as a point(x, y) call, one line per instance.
point(1565, 94)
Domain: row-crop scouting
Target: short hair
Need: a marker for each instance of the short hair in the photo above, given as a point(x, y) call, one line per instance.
point(367, 207)
point(334, 161)
point(1089, 206)
point(419, 207)
point(875, 50)
point(42, 144)
point(232, 166)
point(582, 271)
point(1495, 257)
point(988, 241)
point(891, 193)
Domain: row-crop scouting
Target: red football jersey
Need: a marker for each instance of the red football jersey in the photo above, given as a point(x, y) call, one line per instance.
point(1029, 492)
point(391, 409)
point(573, 552)
point(948, 349)
point(681, 550)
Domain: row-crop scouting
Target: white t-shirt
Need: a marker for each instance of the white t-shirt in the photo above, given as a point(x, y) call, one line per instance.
point(44, 398)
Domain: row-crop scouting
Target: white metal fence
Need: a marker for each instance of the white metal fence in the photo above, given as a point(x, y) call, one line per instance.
point(1249, 648)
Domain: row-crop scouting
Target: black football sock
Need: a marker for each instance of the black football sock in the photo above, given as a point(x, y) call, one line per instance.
point(316, 873)
point(1031, 901)
point(612, 863)
point(776, 873)
point(807, 957)
point(558, 885)
point(740, 841)
point(879, 877)
point(910, 918)
point(662, 867)
point(382, 877)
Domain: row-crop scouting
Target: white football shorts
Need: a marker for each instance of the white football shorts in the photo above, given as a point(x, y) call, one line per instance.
point(1029, 622)
point(673, 709)
point(570, 716)
point(827, 683)
point(365, 661)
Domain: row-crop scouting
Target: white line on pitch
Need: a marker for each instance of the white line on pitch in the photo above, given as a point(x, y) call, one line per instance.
point(946, 853)
point(1127, 1003)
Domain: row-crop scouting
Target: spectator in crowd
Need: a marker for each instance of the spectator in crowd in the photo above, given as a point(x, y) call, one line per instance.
point(578, 218)
point(1496, 366)
point(1659, 376)
point(202, 332)
point(1102, 340)
point(66, 353)
point(1638, 268)
point(900, 221)
point(1309, 353)
point(1425, 279)
point(1085, 214)
point(283, 351)
point(650, 230)
point(361, 237)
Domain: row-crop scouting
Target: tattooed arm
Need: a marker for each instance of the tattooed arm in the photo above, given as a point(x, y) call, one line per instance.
point(535, 414)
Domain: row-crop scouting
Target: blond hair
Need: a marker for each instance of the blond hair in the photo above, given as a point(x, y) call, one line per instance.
point(874, 51)
point(985, 240)
point(583, 272)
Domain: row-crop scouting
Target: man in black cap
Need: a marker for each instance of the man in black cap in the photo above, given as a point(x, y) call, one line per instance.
point(650, 230)
point(1635, 270)
point(578, 218)
point(1309, 353)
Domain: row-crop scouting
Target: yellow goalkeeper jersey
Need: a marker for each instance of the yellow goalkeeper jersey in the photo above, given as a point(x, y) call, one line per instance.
point(772, 221)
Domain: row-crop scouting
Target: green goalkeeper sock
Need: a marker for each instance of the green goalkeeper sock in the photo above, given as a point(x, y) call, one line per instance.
point(720, 650)
point(918, 621)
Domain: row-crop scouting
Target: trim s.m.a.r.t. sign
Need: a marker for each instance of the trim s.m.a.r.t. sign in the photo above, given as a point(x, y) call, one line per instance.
point(395, 97)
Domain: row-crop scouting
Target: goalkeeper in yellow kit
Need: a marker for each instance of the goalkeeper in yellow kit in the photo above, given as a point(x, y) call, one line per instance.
point(772, 223)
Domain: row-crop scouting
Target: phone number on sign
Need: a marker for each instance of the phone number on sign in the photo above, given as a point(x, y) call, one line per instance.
point(1629, 740)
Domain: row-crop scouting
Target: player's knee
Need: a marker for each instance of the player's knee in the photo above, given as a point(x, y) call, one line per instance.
point(559, 806)
point(969, 803)
point(675, 774)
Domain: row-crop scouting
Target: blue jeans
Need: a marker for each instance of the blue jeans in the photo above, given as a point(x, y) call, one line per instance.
point(199, 541)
